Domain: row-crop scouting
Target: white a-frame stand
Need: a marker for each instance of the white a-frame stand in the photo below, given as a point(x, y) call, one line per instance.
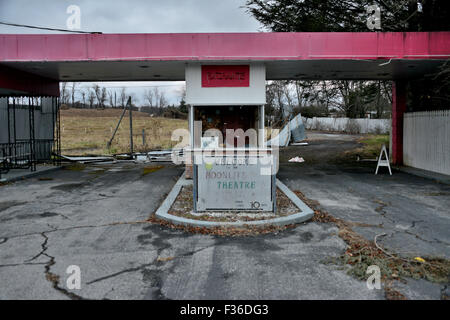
point(383, 162)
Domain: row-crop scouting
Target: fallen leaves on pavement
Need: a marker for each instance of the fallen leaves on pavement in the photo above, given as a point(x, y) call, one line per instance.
point(362, 253)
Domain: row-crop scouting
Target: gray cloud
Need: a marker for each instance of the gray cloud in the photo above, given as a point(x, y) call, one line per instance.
point(132, 16)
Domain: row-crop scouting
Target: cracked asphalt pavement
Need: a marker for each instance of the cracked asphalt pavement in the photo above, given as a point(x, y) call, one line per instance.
point(96, 219)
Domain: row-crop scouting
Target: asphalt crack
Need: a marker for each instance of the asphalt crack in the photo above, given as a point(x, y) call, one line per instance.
point(50, 276)
point(138, 268)
point(151, 271)
point(54, 278)
point(381, 210)
point(79, 227)
point(413, 224)
point(22, 264)
point(426, 240)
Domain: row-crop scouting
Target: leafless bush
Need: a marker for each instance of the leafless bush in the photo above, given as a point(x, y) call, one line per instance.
point(352, 127)
point(378, 130)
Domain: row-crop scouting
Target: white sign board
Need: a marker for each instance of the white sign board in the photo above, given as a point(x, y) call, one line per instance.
point(235, 183)
point(198, 95)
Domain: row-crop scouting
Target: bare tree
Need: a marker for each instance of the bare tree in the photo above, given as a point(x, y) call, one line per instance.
point(162, 100)
point(91, 98)
point(123, 97)
point(357, 97)
point(156, 97)
point(275, 102)
point(64, 94)
point(73, 91)
point(345, 89)
point(327, 94)
point(286, 87)
point(183, 93)
point(279, 94)
point(100, 95)
point(111, 96)
point(149, 97)
point(387, 90)
point(103, 96)
point(83, 96)
point(300, 88)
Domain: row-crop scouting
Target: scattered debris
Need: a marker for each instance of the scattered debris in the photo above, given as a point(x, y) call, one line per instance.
point(141, 158)
point(165, 259)
point(183, 207)
point(420, 259)
point(297, 159)
point(359, 159)
point(163, 155)
point(45, 179)
point(87, 159)
point(152, 156)
point(362, 253)
point(392, 294)
point(300, 144)
point(123, 157)
point(243, 231)
point(294, 131)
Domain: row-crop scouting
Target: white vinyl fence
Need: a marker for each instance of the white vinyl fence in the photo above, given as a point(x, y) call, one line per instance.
point(426, 140)
point(366, 125)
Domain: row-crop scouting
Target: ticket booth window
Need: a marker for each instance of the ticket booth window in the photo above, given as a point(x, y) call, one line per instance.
point(234, 172)
point(228, 117)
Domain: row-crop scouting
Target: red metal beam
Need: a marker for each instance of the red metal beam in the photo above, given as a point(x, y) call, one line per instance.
point(398, 111)
point(224, 46)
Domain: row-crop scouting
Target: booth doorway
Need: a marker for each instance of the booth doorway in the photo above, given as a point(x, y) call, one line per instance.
point(227, 117)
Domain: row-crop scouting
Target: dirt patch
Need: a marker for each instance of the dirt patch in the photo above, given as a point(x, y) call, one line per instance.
point(151, 169)
point(362, 253)
point(183, 207)
point(244, 231)
point(45, 179)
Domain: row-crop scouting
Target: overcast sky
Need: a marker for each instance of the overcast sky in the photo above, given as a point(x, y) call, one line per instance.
point(132, 16)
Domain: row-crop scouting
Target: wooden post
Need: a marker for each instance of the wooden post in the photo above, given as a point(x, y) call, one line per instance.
point(131, 127)
point(118, 123)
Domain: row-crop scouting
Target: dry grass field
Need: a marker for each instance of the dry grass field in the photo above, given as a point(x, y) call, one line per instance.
point(87, 131)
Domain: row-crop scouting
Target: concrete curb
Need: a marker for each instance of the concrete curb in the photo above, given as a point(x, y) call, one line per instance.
point(162, 212)
point(439, 177)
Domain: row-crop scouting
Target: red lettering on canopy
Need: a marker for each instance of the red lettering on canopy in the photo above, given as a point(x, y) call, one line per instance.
point(225, 76)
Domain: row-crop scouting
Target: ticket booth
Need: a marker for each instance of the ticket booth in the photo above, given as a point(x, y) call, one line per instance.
point(232, 168)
